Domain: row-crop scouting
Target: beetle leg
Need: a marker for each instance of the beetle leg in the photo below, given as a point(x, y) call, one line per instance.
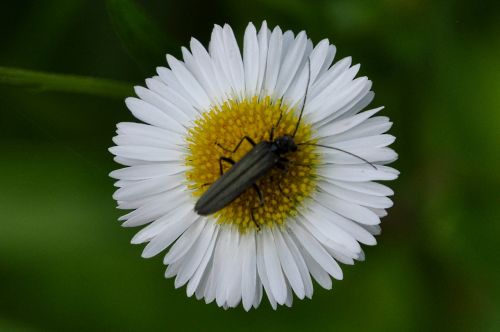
point(227, 160)
point(259, 193)
point(281, 166)
point(261, 203)
point(244, 138)
point(253, 219)
point(302, 165)
point(282, 191)
point(285, 160)
point(283, 163)
point(204, 185)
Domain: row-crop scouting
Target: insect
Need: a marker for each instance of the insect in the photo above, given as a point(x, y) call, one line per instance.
point(254, 165)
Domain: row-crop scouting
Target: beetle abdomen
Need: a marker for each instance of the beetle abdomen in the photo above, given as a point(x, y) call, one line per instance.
point(254, 165)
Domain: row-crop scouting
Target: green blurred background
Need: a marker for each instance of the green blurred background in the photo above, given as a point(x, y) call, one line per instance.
point(67, 265)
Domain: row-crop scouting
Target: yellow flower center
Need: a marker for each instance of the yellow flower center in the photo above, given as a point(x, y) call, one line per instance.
point(220, 129)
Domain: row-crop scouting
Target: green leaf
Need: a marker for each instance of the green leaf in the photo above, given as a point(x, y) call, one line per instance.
point(64, 83)
point(141, 37)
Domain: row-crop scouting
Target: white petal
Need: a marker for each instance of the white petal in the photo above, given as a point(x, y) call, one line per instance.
point(162, 104)
point(220, 60)
point(330, 104)
point(354, 96)
point(295, 94)
point(169, 93)
point(358, 106)
point(332, 247)
point(263, 38)
point(371, 142)
point(210, 286)
point(288, 264)
point(195, 256)
point(235, 288)
point(329, 78)
point(358, 173)
point(145, 188)
point(373, 229)
point(369, 188)
point(320, 220)
point(380, 202)
point(186, 241)
point(273, 62)
point(152, 115)
point(319, 58)
point(137, 203)
point(223, 274)
point(353, 156)
point(261, 268)
point(301, 264)
point(130, 162)
point(338, 127)
point(146, 153)
point(291, 63)
point(332, 50)
point(144, 172)
point(188, 82)
point(353, 107)
point(168, 235)
point(351, 211)
point(340, 256)
point(319, 274)
point(373, 126)
point(208, 71)
point(258, 293)
point(289, 297)
point(199, 74)
point(251, 60)
point(159, 207)
point(249, 270)
point(172, 270)
point(272, 263)
point(198, 282)
point(168, 77)
point(379, 212)
point(235, 63)
point(316, 250)
point(144, 130)
point(146, 141)
point(361, 256)
point(354, 229)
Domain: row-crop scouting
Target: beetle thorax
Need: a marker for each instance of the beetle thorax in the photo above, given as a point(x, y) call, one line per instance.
point(284, 144)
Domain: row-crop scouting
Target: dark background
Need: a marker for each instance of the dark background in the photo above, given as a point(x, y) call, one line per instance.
point(65, 262)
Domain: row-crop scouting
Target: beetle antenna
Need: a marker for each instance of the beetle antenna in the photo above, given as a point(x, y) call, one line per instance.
point(341, 150)
point(305, 97)
point(271, 134)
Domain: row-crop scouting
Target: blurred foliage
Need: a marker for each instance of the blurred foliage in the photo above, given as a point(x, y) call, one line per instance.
point(140, 36)
point(65, 263)
point(44, 82)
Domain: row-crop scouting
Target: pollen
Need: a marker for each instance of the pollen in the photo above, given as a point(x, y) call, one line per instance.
point(217, 132)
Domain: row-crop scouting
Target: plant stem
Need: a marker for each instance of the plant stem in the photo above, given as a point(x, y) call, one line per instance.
point(43, 81)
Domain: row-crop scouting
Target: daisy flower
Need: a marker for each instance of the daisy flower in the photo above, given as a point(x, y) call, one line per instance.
point(311, 210)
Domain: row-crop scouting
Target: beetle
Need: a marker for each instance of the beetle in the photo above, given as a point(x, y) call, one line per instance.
point(254, 165)
point(244, 174)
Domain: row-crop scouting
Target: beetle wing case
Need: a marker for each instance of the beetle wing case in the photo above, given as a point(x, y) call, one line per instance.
point(254, 165)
